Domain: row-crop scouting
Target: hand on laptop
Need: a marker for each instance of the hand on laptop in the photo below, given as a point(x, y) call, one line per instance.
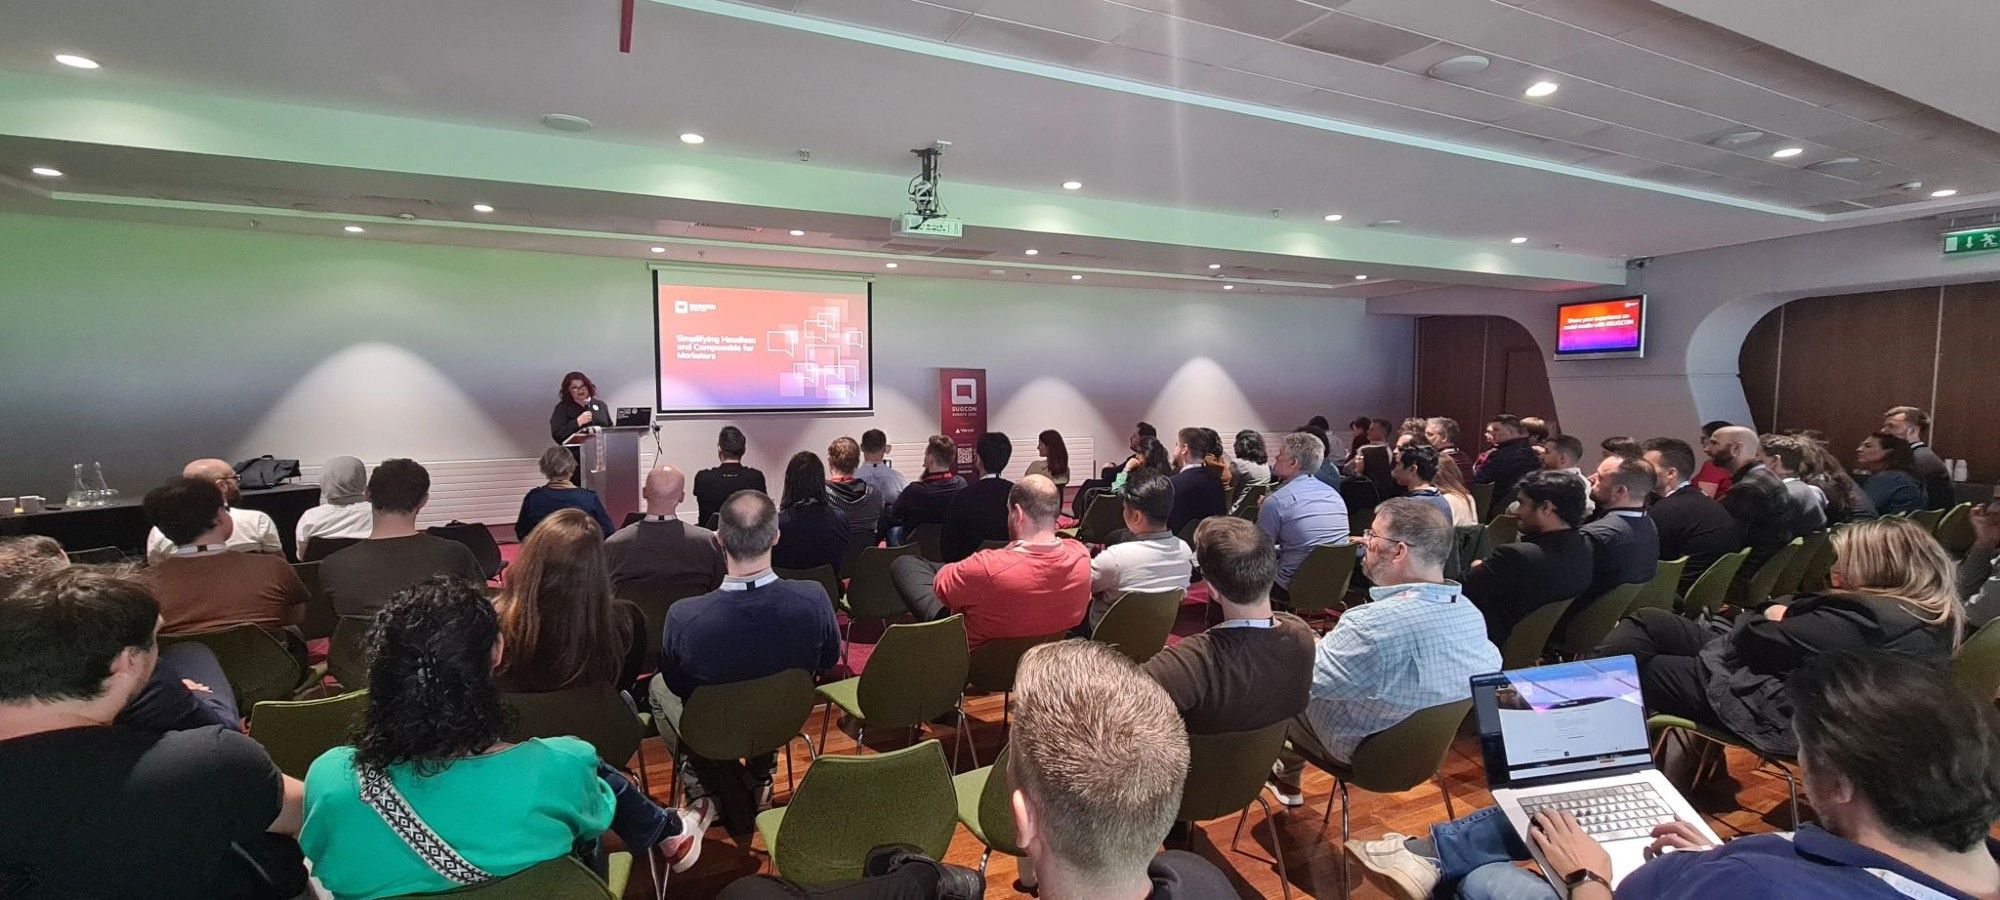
point(1566, 847)
point(1676, 836)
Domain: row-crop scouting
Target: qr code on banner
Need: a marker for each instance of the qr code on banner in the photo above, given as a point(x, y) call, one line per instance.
point(965, 456)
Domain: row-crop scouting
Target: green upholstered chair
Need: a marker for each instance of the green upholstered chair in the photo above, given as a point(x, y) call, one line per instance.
point(562, 878)
point(347, 652)
point(1976, 665)
point(1482, 499)
point(1587, 628)
point(848, 805)
point(653, 602)
point(1663, 592)
point(296, 732)
point(1763, 586)
point(1504, 529)
point(1391, 761)
point(320, 617)
point(1819, 567)
point(1138, 622)
point(1320, 584)
point(1954, 531)
point(917, 673)
point(986, 808)
point(597, 714)
point(1711, 590)
point(929, 538)
point(1524, 644)
point(1226, 774)
point(745, 719)
point(1794, 576)
point(256, 663)
point(824, 576)
point(1104, 515)
point(1711, 757)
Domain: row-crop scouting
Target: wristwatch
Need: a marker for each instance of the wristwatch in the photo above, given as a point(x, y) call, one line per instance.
point(1584, 876)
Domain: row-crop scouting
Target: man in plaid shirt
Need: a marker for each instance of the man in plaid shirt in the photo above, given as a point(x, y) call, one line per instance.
point(1416, 645)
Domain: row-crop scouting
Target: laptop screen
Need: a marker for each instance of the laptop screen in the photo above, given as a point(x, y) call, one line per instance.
point(1566, 719)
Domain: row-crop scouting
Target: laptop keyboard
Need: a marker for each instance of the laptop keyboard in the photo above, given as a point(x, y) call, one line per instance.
point(1608, 813)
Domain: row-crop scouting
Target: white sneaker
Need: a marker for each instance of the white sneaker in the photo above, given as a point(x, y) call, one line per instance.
point(1287, 796)
point(682, 850)
point(1392, 867)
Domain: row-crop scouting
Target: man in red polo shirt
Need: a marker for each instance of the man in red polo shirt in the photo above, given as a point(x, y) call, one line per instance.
point(1038, 584)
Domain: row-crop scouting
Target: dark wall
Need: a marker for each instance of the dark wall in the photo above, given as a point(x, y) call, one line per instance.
point(1473, 368)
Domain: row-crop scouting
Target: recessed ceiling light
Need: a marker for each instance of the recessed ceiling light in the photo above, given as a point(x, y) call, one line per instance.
point(1946, 192)
point(1331, 217)
point(692, 138)
point(76, 62)
point(1076, 278)
point(1072, 185)
point(1518, 240)
point(888, 265)
point(1737, 139)
point(797, 233)
point(46, 172)
point(565, 122)
point(659, 249)
point(482, 207)
point(1461, 66)
point(1030, 251)
point(1215, 265)
point(1229, 287)
point(1360, 278)
point(1787, 152)
point(354, 229)
point(1541, 89)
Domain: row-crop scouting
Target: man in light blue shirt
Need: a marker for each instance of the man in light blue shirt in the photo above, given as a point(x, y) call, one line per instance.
point(1304, 512)
point(875, 468)
point(1416, 646)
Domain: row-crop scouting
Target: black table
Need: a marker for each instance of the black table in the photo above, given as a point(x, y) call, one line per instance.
point(123, 524)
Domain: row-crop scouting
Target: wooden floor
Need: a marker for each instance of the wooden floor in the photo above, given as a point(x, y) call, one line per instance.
point(1742, 802)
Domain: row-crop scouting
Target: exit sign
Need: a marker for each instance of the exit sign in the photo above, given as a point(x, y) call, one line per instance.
point(1972, 241)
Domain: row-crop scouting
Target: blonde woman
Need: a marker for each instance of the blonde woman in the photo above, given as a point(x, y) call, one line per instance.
point(1451, 482)
point(1892, 590)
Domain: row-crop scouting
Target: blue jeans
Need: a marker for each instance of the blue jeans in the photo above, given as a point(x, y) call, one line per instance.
point(1477, 853)
point(635, 818)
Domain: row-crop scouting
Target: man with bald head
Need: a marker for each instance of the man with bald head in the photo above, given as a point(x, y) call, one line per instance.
point(1756, 497)
point(254, 531)
point(1038, 584)
point(661, 555)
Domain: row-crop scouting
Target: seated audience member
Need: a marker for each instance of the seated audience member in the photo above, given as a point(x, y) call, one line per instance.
point(1372, 459)
point(1622, 445)
point(1538, 431)
point(1756, 499)
point(1303, 512)
point(1417, 645)
point(200, 585)
point(1092, 821)
point(24, 557)
point(1038, 584)
point(1901, 769)
point(1624, 544)
point(1715, 478)
point(1053, 461)
point(813, 531)
point(1442, 434)
point(560, 493)
point(1133, 445)
point(359, 580)
point(1551, 562)
point(95, 808)
point(1690, 523)
point(1892, 590)
point(1357, 436)
point(1819, 467)
point(1511, 457)
point(753, 626)
point(1978, 572)
point(1198, 490)
point(1152, 560)
point(853, 497)
point(1251, 466)
point(1564, 453)
point(251, 531)
point(1150, 456)
point(923, 501)
point(712, 486)
point(343, 508)
point(1254, 668)
point(881, 477)
point(1892, 485)
point(559, 627)
point(661, 555)
point(1784, 456)
point(1914, 425)
point(979, 512)
point(1329, 467)
point(427, 763)
point(1451, 482)
point(1415, 467)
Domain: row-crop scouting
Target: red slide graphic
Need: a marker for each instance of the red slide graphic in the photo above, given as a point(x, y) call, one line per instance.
point(761, 349)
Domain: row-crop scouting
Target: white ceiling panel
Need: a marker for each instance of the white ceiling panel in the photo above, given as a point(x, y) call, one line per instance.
point(1439, 18)
point(923, 20)
point(1263, 18)
point(1360, 39)
point(1098, 20)
point(1303, 66)
point(1190, 40)
point(995, 36)
point(1530, 38)
point(1606, 18)
point(1690, 39)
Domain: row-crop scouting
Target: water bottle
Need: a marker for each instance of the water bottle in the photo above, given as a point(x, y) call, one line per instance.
point(106, 494)
point(79, 496)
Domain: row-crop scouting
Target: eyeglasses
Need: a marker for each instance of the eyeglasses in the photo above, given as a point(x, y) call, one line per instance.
point(1371, 535)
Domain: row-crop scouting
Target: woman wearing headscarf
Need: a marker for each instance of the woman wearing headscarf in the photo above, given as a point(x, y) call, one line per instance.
point(343, 511)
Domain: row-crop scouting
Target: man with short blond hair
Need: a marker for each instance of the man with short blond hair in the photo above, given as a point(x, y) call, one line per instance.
point(252, 531)
point(861, 503)
point(1914, 425)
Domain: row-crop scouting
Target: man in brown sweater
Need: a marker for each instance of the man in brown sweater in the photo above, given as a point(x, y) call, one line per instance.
point(1252, 669)
point(202, 587)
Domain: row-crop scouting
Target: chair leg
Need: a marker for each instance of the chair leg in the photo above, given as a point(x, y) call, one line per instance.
point(983, 857)
point(645, 785)
point(971, 745)
point(1278, 844)
point(791, 784)
point(1238, 836)
point(674, 790)
point(1450, 814)
point(825, 721)
point(1342, 785)
point(860, 738)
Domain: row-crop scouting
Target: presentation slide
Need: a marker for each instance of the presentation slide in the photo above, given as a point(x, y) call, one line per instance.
point(1610, 326)
point(766, 346)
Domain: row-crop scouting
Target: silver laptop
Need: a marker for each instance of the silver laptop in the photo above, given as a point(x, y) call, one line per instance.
point(1573, 736)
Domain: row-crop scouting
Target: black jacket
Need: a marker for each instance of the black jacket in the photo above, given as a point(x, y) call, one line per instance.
point(562, 422)
point(1522, 577)
point(861, 502)
point(974, 516)
point(1692, 524)
point(1757, 500)
point(1624, 549)
point(1180, 875)
point(1936, 479)
point(923, 502)
point(712, 486)
point(1503, 467)
point(812, 533)
point(1198, 494)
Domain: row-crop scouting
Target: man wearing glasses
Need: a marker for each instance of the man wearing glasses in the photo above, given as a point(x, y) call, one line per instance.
point(1415, 645)
point(254, 531)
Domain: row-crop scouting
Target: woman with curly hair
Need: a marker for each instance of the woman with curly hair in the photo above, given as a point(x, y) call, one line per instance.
point(466, 806)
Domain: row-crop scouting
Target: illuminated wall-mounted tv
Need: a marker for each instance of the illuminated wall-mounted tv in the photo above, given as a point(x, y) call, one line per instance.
point(1602, 329)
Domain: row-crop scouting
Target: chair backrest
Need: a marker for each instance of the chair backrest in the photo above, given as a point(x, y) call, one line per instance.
point(871, 592)
point(318, 548)
point(1104, 515)
point(1708, 592)
point(1930, 519)
point(476, 537)
point(1504, 529)
point(1468, 544)
point(1591, 623)
point(929, 538)
point(1524, 644)
point(1226, 771)
point(97, 556)
point(1976, 665)
point(1795, 574)
point(916, 673)
point(562, 878)
point(320, 617)
point(848, 805)
point(1664, 590)
point(996, 809)
point(1482, 499)
point(992, 665)
point(1954, 531)
point(653, 601)
point(1322, 580)
point(296, 732)
point(347, 652)
point(1765, 582)
point(1820, 568)
point(595, 713)
point(1409, 752)
point(747, 718)
point(824, 575)
point(1250, 501)
point(1188, 528)
point(852, 551)
point(1138, 622)
point(257, 665)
